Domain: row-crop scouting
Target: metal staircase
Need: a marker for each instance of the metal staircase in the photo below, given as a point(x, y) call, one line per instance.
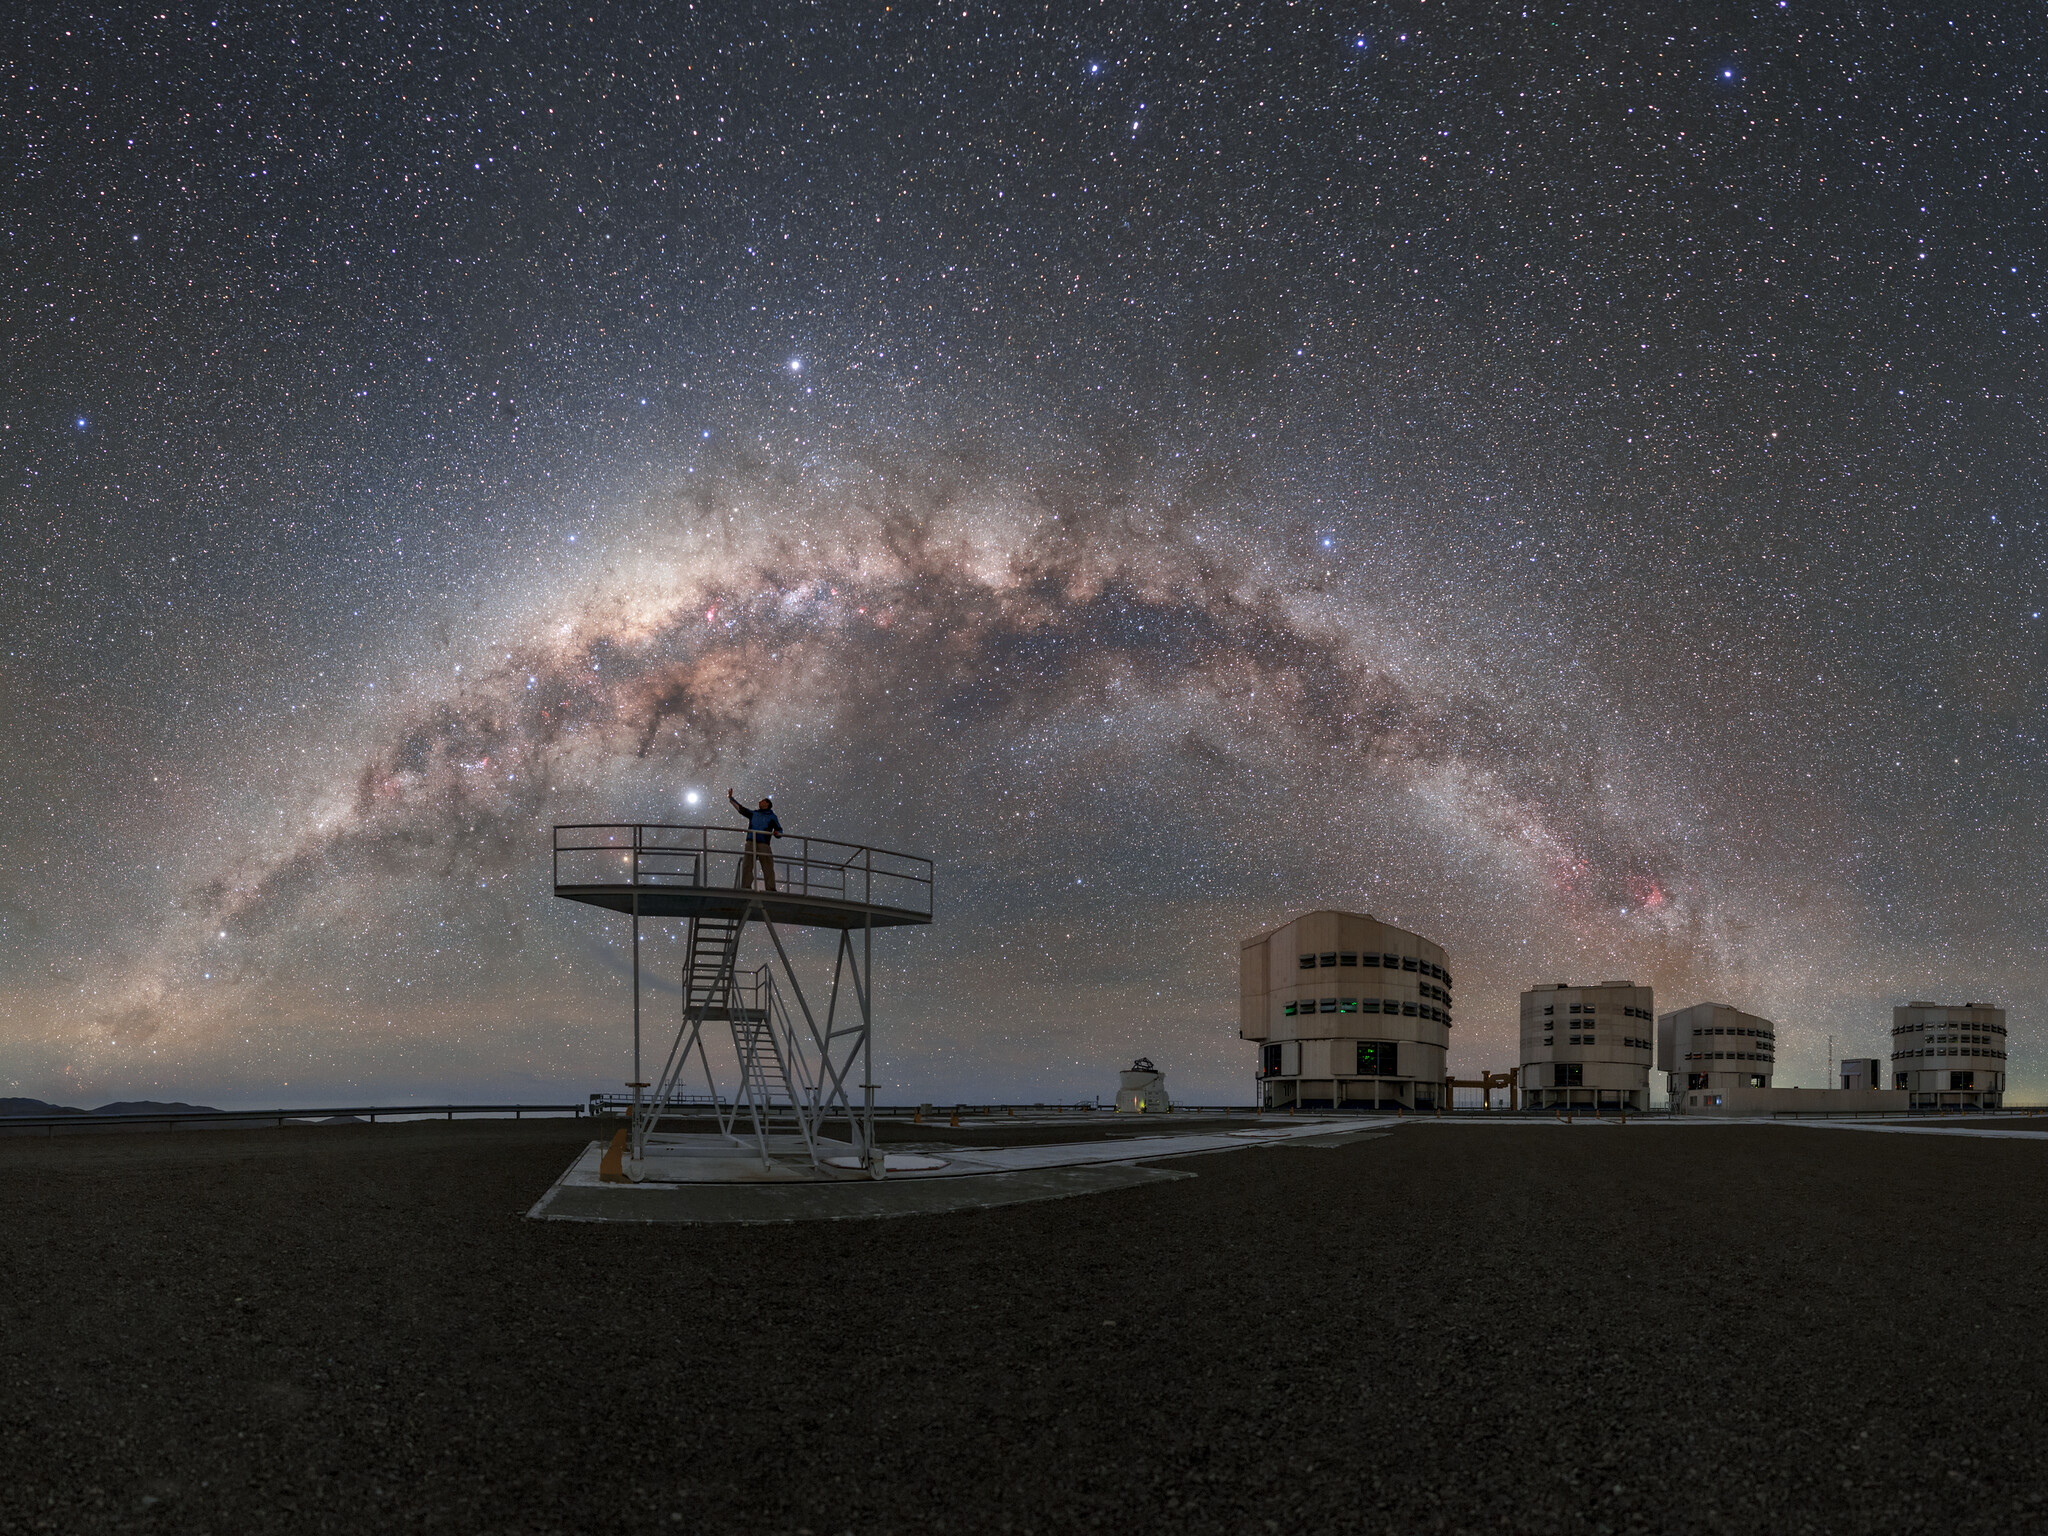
point(713, 952)
point(708, 971)
point(774, 1088)
point(776, 1095)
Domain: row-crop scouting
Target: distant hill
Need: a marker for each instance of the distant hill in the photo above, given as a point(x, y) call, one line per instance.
point(152, 1107)
point(35, 1107)
point(124, 1107)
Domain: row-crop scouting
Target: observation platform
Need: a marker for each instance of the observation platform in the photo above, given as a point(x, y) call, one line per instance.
point(663, 870)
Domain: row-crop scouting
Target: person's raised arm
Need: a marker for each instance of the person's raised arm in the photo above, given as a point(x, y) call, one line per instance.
point(735, 799)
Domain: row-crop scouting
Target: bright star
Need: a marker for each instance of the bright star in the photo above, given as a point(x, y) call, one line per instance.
point(796, 365)
point(81, 423)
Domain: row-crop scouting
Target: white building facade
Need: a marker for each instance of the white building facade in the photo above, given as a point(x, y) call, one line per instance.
point(1711, 1047)
point(1860, 1072)
point(1949, 1056)
point(1768, 1103)
point(1348, 1012)
point(1587, 1048)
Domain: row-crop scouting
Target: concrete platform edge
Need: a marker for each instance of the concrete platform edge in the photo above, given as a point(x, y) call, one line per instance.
point(770, 1204)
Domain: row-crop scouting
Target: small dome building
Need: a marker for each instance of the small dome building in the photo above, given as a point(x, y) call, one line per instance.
point(1141, 1090)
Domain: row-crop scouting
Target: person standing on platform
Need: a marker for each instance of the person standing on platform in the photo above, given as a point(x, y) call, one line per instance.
point(762, 829)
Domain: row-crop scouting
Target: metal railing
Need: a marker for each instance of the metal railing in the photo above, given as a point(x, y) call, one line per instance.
point(86, 1120)
point(666, 856)
point(702, 1105)
point(1915, 1112)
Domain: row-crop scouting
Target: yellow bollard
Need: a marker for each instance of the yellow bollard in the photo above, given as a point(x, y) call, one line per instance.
point(956, 1115)
point(611, 1168)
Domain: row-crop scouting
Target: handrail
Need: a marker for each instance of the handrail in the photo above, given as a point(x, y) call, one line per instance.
point(672, 855)
point(619, 1104)
point(87, 1118)
point(1923, 1112)
point(719, 831)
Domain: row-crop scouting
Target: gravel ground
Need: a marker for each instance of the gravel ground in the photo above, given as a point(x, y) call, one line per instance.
point(1527, 1329)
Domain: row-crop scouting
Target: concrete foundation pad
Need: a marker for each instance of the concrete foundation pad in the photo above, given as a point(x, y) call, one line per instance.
point(708, 1179)
point(1343, 1138)
point(691, 1159)
point(864, 1200)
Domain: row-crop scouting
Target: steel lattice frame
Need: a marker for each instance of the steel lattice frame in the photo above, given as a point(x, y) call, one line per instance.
point(820, 1069)
point(811, 1065)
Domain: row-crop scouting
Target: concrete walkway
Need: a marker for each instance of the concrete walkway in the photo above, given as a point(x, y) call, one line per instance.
point(1998, 1133)
point(2038, 1132)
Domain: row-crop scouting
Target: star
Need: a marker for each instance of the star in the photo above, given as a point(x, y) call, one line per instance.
point(1608, 682)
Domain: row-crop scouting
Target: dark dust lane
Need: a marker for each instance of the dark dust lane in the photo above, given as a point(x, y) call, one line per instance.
point(1666, 1328)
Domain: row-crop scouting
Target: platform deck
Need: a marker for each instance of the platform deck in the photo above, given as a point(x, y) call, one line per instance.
point(793, 909)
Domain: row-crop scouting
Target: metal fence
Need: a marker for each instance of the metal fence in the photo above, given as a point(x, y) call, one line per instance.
point(1923, 1112)
point(170, 1119)
point(604, 1105)
point(685, 1105)
point(659, 855)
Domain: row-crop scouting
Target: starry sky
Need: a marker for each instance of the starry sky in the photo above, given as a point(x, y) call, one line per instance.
point(1564, 480)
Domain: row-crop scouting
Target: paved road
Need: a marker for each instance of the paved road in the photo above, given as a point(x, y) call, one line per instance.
point(1470, 1329)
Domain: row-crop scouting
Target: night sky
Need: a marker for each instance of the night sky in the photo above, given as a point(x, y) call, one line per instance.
point(1565, 481)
